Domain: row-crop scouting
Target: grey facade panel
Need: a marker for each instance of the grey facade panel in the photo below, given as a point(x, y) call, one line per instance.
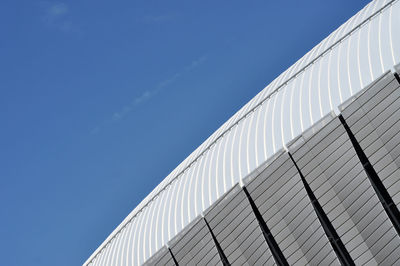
point(195, 246)
point(285, 207)
point(374, 118)
point(252, 146)
point(162, 257)
point(236, 229)
point(327, 159)
point(342, 187)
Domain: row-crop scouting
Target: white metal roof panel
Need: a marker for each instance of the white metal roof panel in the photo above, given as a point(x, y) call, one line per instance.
point(351, 57)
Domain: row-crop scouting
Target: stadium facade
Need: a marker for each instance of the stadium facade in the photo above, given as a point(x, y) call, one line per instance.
point(307, 172)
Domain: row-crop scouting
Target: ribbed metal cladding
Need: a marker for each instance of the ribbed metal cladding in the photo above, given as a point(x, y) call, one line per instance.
point(328, 161)
point(374, 118)
point(269, 238)
point(341, 252)
point(221, 252)
point(283, 202)
point(332, 168)
point(195, 246)
point(236, 229)
point(162, 257)
point(380, 190)
point(341, 65)
point(173, 257)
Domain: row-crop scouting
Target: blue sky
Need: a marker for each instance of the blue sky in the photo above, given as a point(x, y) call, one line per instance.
point(100, 100)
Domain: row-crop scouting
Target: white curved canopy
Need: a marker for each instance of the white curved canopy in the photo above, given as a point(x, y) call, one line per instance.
point(355, 54)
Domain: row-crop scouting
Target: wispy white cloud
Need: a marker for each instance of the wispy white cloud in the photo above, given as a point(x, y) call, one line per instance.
point(136, 101)
point(57, 9)
point(195, 63)
point(56, 16)
point(148, 94)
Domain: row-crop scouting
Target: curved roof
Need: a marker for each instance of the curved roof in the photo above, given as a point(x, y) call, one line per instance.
point(351, 57)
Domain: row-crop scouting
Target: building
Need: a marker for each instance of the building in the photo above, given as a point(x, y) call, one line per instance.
point(307, 172)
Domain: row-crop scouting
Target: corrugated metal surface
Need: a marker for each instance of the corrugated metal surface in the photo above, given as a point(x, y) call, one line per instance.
point(374, 118)
point(283, 202)
point(237, 230)
point(196, 246)
point(351, 57)
point(330, 165)
point(335, 174)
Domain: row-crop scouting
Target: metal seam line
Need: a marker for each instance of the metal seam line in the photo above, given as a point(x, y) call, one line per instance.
point(269, 238)
point(337, 244)
point(380, 190)
point(221, 253)
point(397, 77)
point(173, 257)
